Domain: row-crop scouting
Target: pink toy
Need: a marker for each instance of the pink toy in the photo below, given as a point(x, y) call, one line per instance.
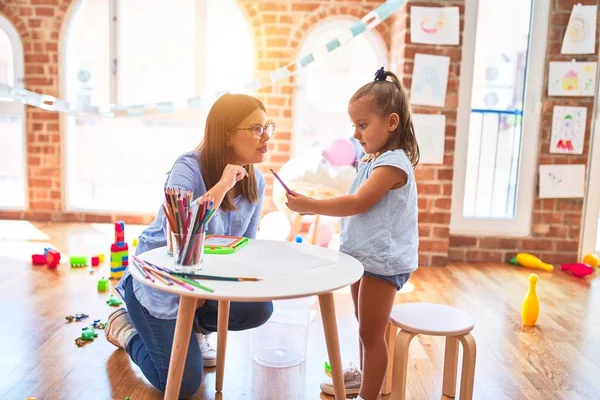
point(95, 261)
point(38, 259)
point(53, 258)
point(578, 269)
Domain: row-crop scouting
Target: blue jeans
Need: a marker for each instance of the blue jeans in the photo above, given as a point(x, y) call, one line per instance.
point(151, 348)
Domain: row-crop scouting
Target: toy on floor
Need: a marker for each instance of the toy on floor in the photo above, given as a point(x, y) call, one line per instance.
point(100, 257)
point(38, 259)
point(327, 369)
point(103, 285)
point(592, 260)
point(530, 261)
point(579, 270)
point(76, 317)
point(95, 261)
point(52, 258)
point(114, 301)
point(88, 334)
point(78, 261)
point(119, 252)
point(135, 242)
point(530, 309)
point(98, 325)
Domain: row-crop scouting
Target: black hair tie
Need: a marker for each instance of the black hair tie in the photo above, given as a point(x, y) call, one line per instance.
point(380, 75)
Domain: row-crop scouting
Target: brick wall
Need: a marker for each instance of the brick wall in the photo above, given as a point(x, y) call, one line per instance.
point(434, 181)
point(279, 28)
point(556, 223)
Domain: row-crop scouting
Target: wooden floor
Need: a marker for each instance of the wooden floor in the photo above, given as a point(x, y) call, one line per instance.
point(558, 359)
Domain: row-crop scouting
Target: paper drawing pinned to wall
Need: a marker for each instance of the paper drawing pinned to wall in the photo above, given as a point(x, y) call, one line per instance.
point(430, 130)
point(562, 181)
point(429, 80)
point(568, 129)
point(434, 25)
point(572, 78)
point(580, 35)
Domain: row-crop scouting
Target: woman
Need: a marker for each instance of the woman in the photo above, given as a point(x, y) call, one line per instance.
point(235, 138)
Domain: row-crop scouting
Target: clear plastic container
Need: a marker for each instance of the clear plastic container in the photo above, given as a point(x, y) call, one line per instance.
point(282, 341)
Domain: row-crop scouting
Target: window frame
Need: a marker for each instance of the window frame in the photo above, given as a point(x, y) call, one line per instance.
point(201, 85)
point(520, 225)
point(16, 107)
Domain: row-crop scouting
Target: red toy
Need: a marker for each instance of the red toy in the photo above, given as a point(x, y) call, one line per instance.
point(53, 258)
point(578, 269)
point(38, 259)
point(95, 261)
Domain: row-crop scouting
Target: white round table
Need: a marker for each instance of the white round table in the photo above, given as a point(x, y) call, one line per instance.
point(288, 270)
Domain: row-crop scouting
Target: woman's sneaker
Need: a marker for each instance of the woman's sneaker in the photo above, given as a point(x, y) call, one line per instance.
point(119, 329)
point(352, 381)
point(209, 354)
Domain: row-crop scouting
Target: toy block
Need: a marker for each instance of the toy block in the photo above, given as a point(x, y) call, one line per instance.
point(103, 285)
point(118, 269)
point(95, 261)
point(101, 257)
point(135, 242)
point(53, 258)
point(125, 263)
point(38, 259)
point(116, 275)
point(78, 261)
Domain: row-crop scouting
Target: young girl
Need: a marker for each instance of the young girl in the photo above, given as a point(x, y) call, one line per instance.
point(379, 224)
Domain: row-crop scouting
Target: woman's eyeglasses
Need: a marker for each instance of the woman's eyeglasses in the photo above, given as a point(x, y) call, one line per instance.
point(258, 130)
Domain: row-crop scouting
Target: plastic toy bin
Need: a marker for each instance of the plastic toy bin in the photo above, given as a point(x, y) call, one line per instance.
point(282, 341)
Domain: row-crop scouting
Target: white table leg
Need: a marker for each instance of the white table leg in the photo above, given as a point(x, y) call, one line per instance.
point(181, 340)
point(222, 328)
point(333, 345)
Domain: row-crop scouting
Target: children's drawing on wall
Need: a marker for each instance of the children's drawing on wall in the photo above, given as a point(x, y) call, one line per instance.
point(434, 25)
point(430, 130)
point(568, 130)
point(429, 80)
point(572, 78)
point(580, 35)
point(562, 181)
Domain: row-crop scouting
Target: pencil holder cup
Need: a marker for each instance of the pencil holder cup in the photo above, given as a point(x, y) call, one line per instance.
point(188, 251)
point(169, 241)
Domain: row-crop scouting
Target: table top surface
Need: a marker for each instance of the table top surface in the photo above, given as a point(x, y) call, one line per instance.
point(288, 270)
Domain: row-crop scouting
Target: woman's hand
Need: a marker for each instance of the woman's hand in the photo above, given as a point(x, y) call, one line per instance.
point(231, 175)
point(299, 203)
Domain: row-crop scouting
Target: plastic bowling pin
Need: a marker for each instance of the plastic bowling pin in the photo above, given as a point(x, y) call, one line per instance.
point(530, 309)
point(530, 261)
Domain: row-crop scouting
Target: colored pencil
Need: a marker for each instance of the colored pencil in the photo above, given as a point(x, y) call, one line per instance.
point(160, 278)
point(174, 279)
point(146, 275)
point(199, 286)
point(217, 278)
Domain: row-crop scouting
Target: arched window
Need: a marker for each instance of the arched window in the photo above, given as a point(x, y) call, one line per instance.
point(324, 87)
point(13, 172)
point(137, 52)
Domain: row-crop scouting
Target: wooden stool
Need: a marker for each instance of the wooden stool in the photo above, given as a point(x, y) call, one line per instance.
point(436, 320)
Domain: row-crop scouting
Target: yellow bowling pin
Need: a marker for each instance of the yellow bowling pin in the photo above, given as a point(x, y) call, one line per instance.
point(530, 310)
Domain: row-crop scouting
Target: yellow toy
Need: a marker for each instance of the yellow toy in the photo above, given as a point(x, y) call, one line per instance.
point(135, 242)
point(530, 309)
point(530, 261)
point(592, 259)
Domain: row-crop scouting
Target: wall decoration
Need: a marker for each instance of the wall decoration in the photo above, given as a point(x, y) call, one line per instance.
point(580, 35)
point(430, 130)
point(565, 181)
point(568, 130)
point(429, 80)
point(434, 25)
point(572, 78)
